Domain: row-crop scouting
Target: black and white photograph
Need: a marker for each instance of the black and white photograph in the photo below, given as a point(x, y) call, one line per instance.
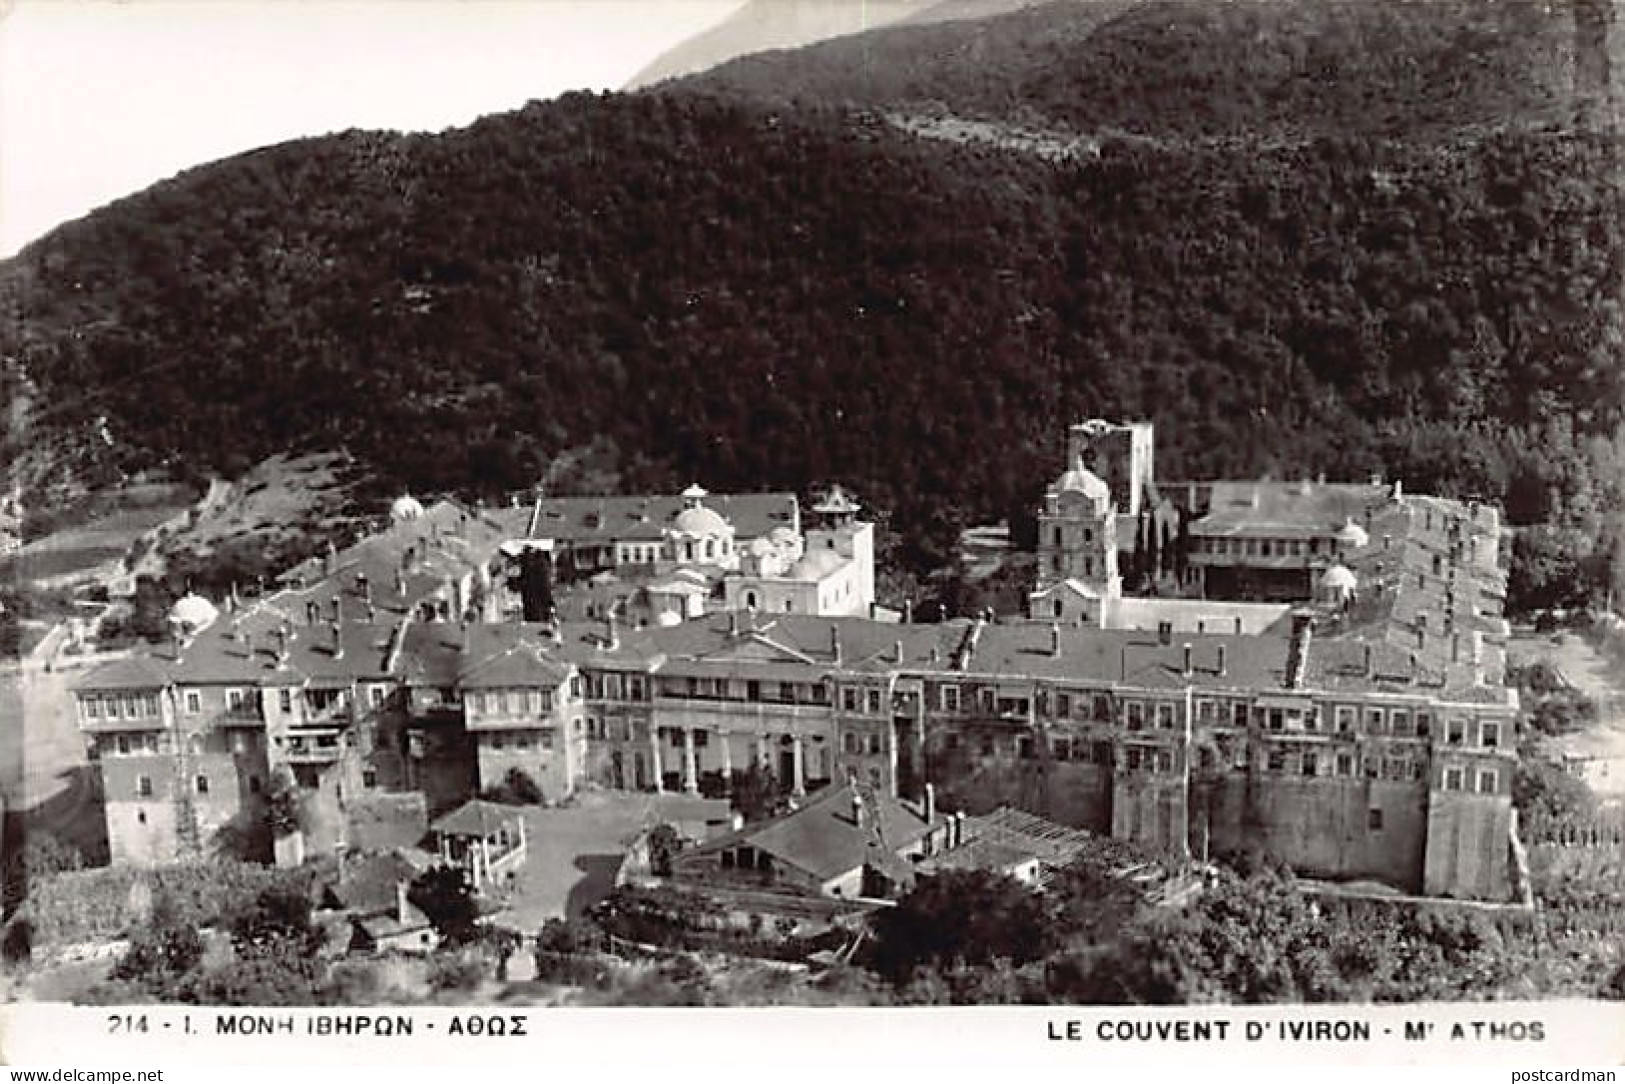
point(1111, 507)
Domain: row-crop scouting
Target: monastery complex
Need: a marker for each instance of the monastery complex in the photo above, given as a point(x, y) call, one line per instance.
point(1316, 671)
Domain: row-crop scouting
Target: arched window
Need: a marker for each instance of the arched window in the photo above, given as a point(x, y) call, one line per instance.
point(1058, 607)
point(750, 600)
point(1057, 536)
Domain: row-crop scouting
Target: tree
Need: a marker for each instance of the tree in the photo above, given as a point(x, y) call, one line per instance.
point(284, 805)
point(534, 582)
point(516, 788)
point(280, 914)
point(164, 953)
point(46, 854)
point(664, 843)
point(755, 793)
point(446, 898)
point(1542, 790)
point(971, 917)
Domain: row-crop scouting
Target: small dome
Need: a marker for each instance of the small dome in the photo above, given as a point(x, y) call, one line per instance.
point(667, 618)
point(1352, 535)
point(1339, 578)
point(700, 522)
point(192, 613)
point(405, 507)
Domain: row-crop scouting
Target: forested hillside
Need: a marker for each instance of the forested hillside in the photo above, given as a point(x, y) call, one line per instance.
point(731, 288)
point(1255, 70)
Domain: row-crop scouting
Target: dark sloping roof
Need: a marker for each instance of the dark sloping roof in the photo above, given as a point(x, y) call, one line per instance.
point(510, 655)
point(825, 840)
point(370, 884)
point(476, 817)
point(646, 518)
point(133, 672)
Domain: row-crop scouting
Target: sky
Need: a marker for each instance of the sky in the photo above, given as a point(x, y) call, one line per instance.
point(101, 98)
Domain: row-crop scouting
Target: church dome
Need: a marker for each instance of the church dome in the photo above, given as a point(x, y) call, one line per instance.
point(700, 522)
point(1338, 578)
point(192, 613)
point(1351, 535)
point(405, 507)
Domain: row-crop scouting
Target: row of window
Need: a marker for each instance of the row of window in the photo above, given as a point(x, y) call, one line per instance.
point(519, 740)
point(612, 686)
point(154, 742)
point(128, 706)
point(862, 744)
point(510, 701)
point(200, 785)
point(751, 691)
point(1398, 722)
point(1260, 547)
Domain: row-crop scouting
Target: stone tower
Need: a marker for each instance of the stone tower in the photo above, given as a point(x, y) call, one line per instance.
point(1120, 455)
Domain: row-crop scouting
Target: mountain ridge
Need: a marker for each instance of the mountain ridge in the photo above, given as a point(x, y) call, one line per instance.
point(720, 283)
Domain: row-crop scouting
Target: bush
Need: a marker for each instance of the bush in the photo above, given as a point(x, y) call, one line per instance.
point(516, 788)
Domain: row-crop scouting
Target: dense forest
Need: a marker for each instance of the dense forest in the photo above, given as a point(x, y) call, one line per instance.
point(1407, 261)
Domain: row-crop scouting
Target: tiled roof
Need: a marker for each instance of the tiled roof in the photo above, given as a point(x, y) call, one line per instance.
point(131, 672)
point(1283, 509)
point(505, 656)
point(646, 518)
point(476, 817)
point(824, 839)
point(368, 884)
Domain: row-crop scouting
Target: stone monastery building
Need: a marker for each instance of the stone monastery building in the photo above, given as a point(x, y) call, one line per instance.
point(1359, 731)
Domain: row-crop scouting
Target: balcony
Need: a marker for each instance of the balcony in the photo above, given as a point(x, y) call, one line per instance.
point(315, 749)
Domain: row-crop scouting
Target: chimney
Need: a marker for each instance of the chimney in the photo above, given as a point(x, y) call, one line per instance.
point(400, 583)
point(857, 809)
point(1054, 640)
point(908, 611)
point(613, 639)
point(366, 588)
point(1369, 663)
point(835, 643)
point(1187, 666)
point(400, 902)
point(897, 651)
point(338, 611)
point(281, 646)
point(733, 622)
point(930, 803)
point(372, 613)
point(338, 640)
point(1222, 660)
point(959, 828)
